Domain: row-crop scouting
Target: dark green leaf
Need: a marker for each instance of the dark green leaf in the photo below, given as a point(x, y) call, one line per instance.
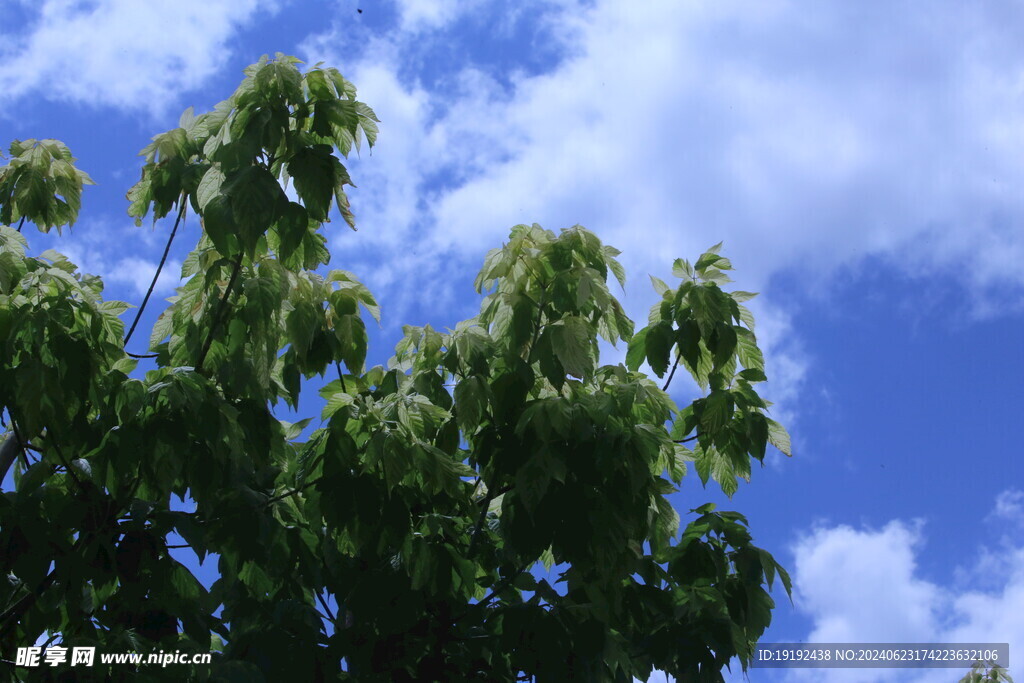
point(658, 346)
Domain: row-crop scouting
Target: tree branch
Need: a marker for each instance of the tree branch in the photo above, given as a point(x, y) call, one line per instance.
point(498, 588)
point(275, 499)
point(340, 376)
point(18, 609)
point(156, 276)
point(672, 373)
point(503, 490)
point(502, 585)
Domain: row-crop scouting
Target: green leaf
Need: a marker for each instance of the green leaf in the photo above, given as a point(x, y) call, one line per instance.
point(746, 317)
point(681, 268)
point(725, 342)
point(572, 339)
point(779, 437)
point(219, 225)
point(336, 402)
point(613, 265)
point(319, 87)
point(312, 171)
point(747, 350)
point(658, 346)
point(688, 341)
point(470, 403)
point(717, 412)
point(254, 195)
point(637, 351)
point(210, 186)
point(264, 296)
point(752, 375)
point(161, 329)
point(547, 559)
point(659, 285)
point(709, 307)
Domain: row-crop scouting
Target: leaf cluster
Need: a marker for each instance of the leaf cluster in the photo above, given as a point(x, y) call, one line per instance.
point(41, 184)
point(403, 536)
point(709, 332)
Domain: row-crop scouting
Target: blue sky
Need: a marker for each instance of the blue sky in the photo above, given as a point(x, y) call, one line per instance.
point(863, 163)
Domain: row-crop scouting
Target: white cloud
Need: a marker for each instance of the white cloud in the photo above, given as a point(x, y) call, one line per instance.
point(865, 586)
point(131, 55)
point(803, 137)
point(418, 15)
point(880, 564)
point(1010, 506)
point(791, 134)
point(125, 257)
point(558, 149)
point(138, 274)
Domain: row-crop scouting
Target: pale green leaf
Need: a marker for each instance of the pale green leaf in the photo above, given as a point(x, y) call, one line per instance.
point(779, 437)
point(210, 186)
point(659, 285)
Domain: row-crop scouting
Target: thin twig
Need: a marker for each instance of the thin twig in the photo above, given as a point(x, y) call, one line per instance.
point(505, 583)
point(142, 355)
point(156, 276)
point(341, 377)
point(21, 223)
point(686, 440)
point(503, 490)
point(673, 373)
point(501, 585)
point(300, 489)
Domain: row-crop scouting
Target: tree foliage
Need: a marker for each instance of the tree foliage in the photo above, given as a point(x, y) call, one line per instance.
point(987, 672)
point(491, 506)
